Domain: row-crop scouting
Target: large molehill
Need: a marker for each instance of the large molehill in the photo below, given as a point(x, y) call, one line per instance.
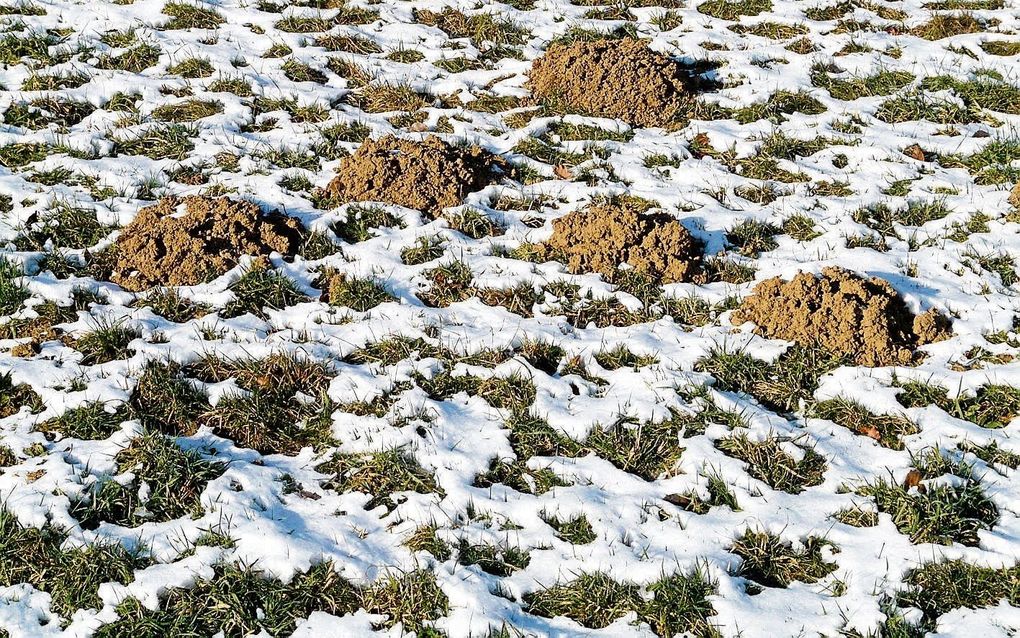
point(621, 79)
point(605, 234)
point(843, 313)
point(427, 175)
point(184, 242)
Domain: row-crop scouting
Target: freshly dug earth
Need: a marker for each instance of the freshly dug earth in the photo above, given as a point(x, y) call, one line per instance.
point(843, 313)
point(1014, 196)
point(622, 79)
point(160, 247)
point(429, 175)
point(603, 235)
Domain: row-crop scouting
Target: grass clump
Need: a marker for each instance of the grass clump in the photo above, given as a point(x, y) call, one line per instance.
point(175, 480)
point(491, 559)
point(678, 603)
point(781, 385)
point(381, 475)
point(164, 400)
point(575, 530)
point(92, 421)
point(240, 600)
point(942, 586)
point(767, 461)
point(854, 87)
point(190, 16)
point(269, 418)
point(940, 514)
point(170, 141)
point(262, 288)
point(734, 9)
point(71, 577)
point(773, 562)
point(14, 397)
point(356, 293)
point(887, 429)
point(12, 293)
point(991, 406)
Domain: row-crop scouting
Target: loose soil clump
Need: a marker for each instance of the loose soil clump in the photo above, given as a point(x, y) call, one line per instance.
point(603, 235)
point(621, 79)
point(162, 247)
point(427, 175)
point(842, 313)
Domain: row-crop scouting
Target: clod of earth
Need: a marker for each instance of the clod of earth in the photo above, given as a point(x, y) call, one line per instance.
point(843, 313)
point(603, 235)
point(1014, 196)
point(427, 175)
point(621, 79)
point(162, 247)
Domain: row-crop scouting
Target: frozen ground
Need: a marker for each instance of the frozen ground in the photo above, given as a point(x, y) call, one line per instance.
point(413, 507)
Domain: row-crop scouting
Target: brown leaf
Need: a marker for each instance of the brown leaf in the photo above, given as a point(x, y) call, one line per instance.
point(562, 172)
point(913, 479)
point(871, 432)
point(914, 151)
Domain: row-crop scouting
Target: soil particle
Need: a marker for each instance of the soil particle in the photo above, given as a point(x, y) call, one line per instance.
point(605, 234)
point(843, 313)
point(162, 246)
point(427, 175)
point(621, 79)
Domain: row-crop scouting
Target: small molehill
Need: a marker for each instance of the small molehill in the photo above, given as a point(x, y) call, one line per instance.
point(622, 79)
point(184, 242)
point(843, 313)
point(427, 175)
point(603, 235)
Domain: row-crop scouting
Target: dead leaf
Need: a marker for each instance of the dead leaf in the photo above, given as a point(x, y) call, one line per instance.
point(913, 479)
point(562, 172)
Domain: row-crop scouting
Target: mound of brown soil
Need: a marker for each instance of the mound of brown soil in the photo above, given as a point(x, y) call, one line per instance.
point(429, 175)
point(603, 235)
point(160, 247)
point(1014, 196)
point(621, 79)
point(843, 313)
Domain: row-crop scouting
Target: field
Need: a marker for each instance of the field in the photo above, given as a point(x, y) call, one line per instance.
point(499, 319)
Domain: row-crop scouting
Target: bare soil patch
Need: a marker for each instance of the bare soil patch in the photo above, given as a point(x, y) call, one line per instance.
point(603, 235)
point(163, 246)
point(622, 79)
point(843, 313)
point(427, 175)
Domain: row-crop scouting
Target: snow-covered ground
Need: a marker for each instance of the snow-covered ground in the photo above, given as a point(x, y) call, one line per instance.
point(279, 511)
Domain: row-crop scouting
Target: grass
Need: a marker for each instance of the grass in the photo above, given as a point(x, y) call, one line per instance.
point(479, 28)
point(779, 104)
point(767, 461)
point(980, 92)
point(13, 293)
point(269, 417)
point(734, 9)
point(770, 561)
point(159, 142)
point(356, 293)
point(992, 406)
point(650, 450)
point(362, 220)
point(499, 561)
point(575, 530)
point(92, 421)
point(187, 111)
point(854, 87)
point(190, 16)
point(64, 225)
point(262, 288)
point(15, 397)
point(887, 429)
point(70, 576)
point(108, 340)
point(678, 603)
point(240, 600)
point(938, 587)
point(164, 400)
point(175, 478)
point(941, 514)
point(782, 385)
point(380, 475)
